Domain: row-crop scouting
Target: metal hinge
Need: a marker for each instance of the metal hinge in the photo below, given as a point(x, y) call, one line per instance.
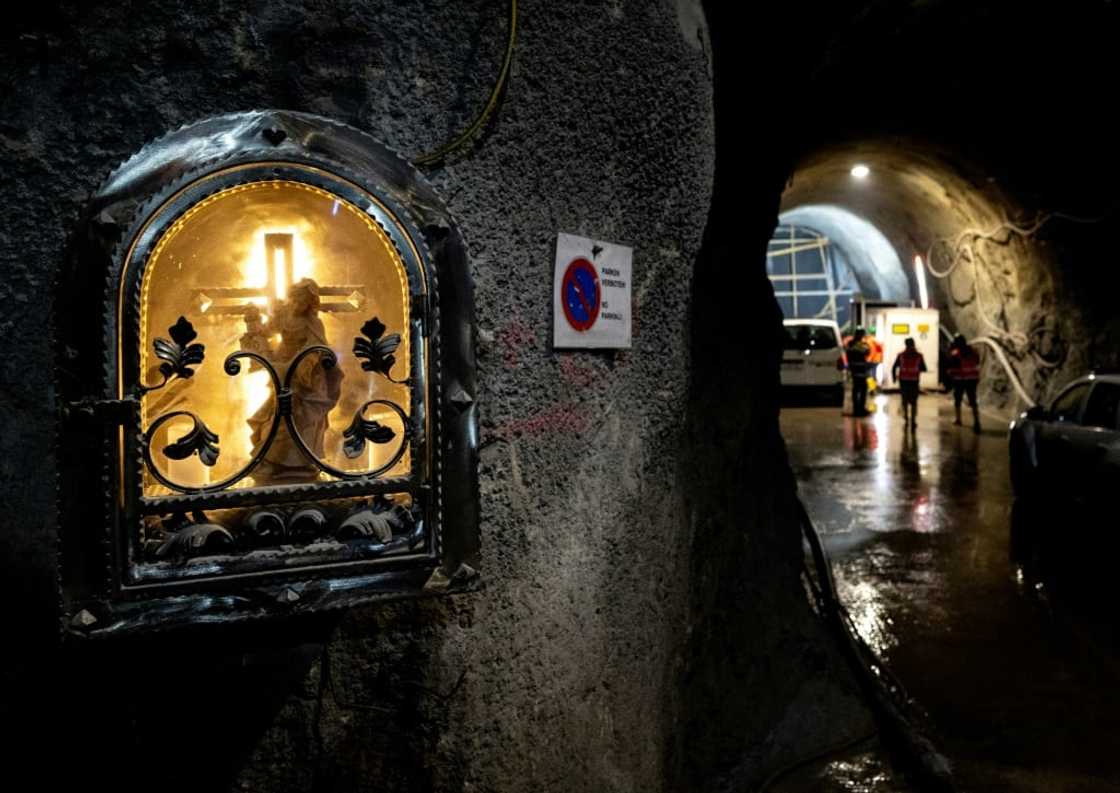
point(112, 411)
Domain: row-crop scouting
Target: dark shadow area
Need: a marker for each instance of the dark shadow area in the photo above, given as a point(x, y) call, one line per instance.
point(181, 712)
point(202, 709)
point(808, 396)
point(1066, 556)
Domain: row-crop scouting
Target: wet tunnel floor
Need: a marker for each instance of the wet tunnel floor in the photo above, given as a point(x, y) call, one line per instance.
point(1020, 677)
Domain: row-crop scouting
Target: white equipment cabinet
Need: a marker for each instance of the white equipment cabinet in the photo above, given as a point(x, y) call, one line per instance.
point(893, 326)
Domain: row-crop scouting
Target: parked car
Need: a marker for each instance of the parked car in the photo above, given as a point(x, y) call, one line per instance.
point(813, 358)
point(1070, 450)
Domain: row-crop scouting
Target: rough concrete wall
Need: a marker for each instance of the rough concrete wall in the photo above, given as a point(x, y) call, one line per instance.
point(561, 674)
point(761, 685)
point(1009, 289)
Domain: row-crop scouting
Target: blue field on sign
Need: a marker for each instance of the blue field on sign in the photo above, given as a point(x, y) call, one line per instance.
point(582, 295)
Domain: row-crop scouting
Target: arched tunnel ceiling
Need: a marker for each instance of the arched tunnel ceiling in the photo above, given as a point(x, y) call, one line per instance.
point(873, 259)
point(973, 117)
point(913, 197)
point(992, 276)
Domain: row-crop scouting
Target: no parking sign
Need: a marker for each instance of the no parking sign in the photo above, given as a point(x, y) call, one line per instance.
point(591, 294)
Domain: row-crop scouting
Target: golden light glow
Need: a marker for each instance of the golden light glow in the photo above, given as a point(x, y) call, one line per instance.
point(215, 262)
point(256, 262)
point(280, 274)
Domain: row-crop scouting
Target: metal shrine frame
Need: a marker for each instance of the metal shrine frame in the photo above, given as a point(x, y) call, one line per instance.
point(107, 583)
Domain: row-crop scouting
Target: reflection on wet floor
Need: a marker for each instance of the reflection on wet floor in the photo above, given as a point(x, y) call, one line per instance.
point(1023, 686)
point(863, 769)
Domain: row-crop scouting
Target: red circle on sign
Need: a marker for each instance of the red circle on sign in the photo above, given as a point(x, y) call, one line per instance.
point(579, 294)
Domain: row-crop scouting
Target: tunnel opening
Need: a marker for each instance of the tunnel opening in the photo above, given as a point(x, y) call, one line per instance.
point(962, 116)
point(994, 267)
point(900, 510)
point(854, 258)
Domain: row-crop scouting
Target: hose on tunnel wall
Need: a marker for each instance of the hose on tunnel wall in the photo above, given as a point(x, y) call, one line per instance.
point(888, 698)
point(1011, 373)
point(963, 248)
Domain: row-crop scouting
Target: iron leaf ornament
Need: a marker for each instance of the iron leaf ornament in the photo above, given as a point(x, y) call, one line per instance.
point(181, 537)
point(199, 439)
point(380, 518)
point(361, 430)
point(178, 353)
point(376, 350)
point(195, 539)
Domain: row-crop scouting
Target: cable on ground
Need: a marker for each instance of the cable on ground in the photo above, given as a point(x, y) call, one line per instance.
point(889, 701)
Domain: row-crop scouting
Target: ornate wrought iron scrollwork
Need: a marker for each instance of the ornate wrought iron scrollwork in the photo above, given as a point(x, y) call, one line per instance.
point(381, 527)
point(376, 350)
point(372, 527)
point(362, 429)
point(177, 353)
point(198, 440)
point(355, 436)
point(181, 537)
point(273, 525)
point(376, 353)
point(381, 518)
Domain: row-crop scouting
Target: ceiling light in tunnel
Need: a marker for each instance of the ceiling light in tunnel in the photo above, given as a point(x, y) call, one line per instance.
point(860, 171)
point(920, 272)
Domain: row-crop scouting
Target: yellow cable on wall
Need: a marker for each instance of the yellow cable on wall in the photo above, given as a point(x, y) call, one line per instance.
point(434, 157)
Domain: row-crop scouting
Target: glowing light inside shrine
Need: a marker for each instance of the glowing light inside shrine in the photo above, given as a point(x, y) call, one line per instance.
point(280, 273)
point(275, 236)
point(257, 391)
point(269, 251)
point(258, 263)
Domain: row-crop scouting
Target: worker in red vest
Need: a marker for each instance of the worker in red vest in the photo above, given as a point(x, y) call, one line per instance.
point(907, 371)
point(964, 369)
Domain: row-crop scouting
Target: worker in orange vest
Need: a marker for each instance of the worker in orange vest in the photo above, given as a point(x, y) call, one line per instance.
point(907, 371)
point(964, 370)
point(875, 358)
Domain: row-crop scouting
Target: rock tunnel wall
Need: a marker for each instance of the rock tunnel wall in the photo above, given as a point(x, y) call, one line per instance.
point(642, 626)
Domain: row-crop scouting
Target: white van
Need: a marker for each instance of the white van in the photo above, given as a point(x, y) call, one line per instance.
point(813, 357)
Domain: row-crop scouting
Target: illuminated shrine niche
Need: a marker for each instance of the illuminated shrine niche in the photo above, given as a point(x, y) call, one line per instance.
point(274, 353)
point(274, 269)
point(287, 420)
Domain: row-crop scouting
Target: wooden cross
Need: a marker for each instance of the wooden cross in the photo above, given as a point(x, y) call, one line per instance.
point(279, 251)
